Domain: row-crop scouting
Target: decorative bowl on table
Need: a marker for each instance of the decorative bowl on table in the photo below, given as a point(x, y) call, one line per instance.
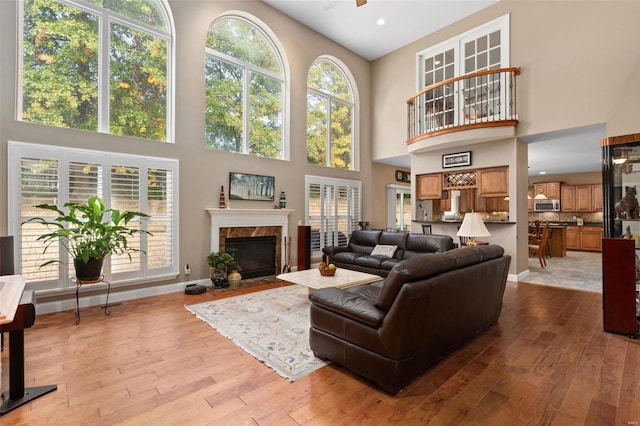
point(326, 270)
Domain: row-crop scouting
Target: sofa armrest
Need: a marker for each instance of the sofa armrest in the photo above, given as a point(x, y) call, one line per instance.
point(348, 304)
point(331, 250)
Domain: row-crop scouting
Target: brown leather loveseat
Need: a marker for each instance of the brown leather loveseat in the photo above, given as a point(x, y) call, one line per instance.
point(359, 254)
point(428, 306)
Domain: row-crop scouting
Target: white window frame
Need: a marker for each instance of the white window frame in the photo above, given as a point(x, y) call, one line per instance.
point(108, 17)
point(354, 104)
point(355, 207)
point(393, 221)
point(457, 43)
point(247, 68)
point(64, 155)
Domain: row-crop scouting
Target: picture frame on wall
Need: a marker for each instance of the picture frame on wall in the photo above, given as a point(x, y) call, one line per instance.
point(459, 159)
point(246, 186)
point(402, 176)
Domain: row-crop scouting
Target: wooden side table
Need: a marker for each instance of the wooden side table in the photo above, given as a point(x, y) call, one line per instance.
point(80, 283)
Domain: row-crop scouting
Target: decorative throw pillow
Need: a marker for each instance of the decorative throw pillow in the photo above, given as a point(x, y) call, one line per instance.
point(384, 250)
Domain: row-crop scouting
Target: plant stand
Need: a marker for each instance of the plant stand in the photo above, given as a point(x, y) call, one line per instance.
point(80, 283)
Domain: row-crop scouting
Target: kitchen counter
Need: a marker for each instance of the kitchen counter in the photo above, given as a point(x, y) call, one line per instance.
point(446, 222)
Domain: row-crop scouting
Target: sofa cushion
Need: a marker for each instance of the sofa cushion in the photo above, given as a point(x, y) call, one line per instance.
point(346, 257)
point(413, 269)
point(383, 250)
point(369, 261)
point(364, 241)
point(418, 244)
point(397, 239)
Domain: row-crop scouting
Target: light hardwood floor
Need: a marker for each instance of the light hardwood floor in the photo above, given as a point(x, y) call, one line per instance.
point(547, 361)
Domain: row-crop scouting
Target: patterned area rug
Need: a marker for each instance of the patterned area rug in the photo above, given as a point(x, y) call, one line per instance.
point(272, 325)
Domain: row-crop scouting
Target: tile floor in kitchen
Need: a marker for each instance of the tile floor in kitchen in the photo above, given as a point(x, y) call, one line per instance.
point(579, 269)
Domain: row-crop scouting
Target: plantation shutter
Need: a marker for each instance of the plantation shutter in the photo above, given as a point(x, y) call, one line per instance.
point(44, 174)
point(333, 211)
point(125, 195)
point(160, 206)
point(38, 185)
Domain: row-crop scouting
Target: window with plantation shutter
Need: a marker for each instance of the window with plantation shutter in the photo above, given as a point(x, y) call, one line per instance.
point(40, 174)
point(333, 210)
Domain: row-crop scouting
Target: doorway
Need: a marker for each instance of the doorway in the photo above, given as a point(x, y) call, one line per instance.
point(399, 208)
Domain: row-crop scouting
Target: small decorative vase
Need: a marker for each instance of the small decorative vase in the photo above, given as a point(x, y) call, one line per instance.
point(234, 278)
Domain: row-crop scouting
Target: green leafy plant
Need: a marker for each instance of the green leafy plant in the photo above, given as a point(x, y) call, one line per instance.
point(222, 261)
point(89, 231)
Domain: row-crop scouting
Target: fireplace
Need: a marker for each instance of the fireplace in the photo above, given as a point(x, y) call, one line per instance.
point(255, 255)
point(250, 223)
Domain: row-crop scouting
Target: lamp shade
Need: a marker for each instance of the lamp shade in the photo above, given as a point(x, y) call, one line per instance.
point(473, 226)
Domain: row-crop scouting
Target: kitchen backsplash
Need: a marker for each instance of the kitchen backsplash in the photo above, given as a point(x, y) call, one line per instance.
point(588, 217)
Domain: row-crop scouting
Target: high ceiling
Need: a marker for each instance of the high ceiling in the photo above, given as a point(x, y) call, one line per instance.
point(356, 28)
point(563, 152)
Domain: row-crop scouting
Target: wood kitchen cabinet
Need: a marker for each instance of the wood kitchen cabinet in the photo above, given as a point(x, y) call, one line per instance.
point(584, 238)
point(551, 190)
point(429, 187)
point(573, 238)
point(530, 196)
point(493, 182)
point(591, 238)
point(568, 198)
point(596, 198)
point(583, 198)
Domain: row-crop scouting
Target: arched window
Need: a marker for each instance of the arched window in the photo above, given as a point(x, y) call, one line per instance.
point(98, 65)
point(244, 89)
point(330, 116)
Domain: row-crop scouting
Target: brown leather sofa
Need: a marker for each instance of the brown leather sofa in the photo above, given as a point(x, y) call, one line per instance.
point(428, 306)
point(357, 254)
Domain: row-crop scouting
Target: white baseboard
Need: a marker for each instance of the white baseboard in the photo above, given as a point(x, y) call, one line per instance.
point(116, 295)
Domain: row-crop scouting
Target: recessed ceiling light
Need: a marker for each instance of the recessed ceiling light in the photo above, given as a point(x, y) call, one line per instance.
point(543, 173)
point(380, 21)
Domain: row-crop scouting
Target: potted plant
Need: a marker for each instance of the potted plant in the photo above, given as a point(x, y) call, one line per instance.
point(89, 232)
point(219, 264)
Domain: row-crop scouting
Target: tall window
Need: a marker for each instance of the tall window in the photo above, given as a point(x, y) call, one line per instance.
point(244, 90)
point(330, 116)
point(333, 210)
point(55, 175)
point(98, 65)
point(483, 48)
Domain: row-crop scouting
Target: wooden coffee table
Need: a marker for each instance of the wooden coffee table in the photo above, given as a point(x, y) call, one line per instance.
point(343, 278)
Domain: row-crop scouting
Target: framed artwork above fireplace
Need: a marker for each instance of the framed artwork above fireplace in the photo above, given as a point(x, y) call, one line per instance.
point(245, 186)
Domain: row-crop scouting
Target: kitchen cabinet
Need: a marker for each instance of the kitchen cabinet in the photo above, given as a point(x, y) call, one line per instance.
point(530, 196)
point(584, 238)
point(493, 182)
point(573, 238)
point(596, 198)
point(583, 198)
point(551, 190)
point(568, 198)
point(429, 187)
point(558, 241)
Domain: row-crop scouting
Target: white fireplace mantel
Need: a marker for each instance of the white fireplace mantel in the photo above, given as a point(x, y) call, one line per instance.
point(230, 218)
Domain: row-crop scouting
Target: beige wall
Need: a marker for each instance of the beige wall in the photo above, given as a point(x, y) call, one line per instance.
point(580, 64)
point(382, 175)
point(570, 178)
point(202, 171)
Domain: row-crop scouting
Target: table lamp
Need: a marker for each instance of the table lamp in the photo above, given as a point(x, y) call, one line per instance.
point(472, 227)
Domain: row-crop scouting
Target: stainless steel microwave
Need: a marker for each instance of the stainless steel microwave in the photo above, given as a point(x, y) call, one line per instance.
point(546, 205)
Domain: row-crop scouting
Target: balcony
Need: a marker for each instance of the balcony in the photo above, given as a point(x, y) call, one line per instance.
point(478, 100)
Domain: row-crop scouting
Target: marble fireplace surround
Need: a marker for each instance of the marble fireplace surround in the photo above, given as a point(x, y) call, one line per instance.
point(227, 223)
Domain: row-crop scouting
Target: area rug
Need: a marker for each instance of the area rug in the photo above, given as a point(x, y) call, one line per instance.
point(272, 325)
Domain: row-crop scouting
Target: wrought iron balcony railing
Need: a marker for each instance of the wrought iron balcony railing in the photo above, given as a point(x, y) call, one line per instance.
point(480, 99)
